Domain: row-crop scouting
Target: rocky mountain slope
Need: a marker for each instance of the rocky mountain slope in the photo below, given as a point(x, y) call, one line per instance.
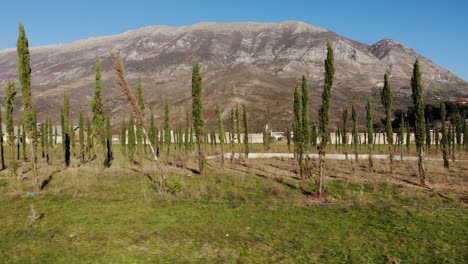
point(256, 64)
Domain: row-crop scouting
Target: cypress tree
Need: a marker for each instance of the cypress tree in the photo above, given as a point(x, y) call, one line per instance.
point(23, 141)
point(62, 125)
point(197, 113)
point(401, 132)
point(72, 139)
point(458, 129)
point(220, 130)
point(370, 130)
point(45, 135)
point(24, 74)
point(233, 120)
point(186, 132)
point(288, 139)
point(386, 97)
point(97, 108)
point(297, 126)
point(152, 131)
point(314, 135)
point(246, 132)
point(436, 135)
point(465, 134)
point(131, 140)
point(81, 136)
point(305, 113)
point(43, 140)
point(139, 130)
point(419, 130)
point(89, 138)
point(354, 117)
point(10, 96)
point(2, 154)
point(49, 139)
point(109, 153)
point(66, 130)
point(157, 140)
point(167, 127)
point(408, 136)
point(324, 113)
point(67, 149)
point(344, 134)
point(444, 140)
point(18, 142)
point(237, 125)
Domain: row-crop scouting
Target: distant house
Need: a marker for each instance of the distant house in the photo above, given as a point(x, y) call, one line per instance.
point(277, 135)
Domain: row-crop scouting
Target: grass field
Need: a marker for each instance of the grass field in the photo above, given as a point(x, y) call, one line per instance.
point(253, 211)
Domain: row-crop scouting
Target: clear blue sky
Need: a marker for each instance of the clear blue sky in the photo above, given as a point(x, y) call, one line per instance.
point(436, 29)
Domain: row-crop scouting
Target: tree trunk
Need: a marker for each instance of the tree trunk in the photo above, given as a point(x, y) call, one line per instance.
point(422, 171)
point(34, 162)
point(320, 191)
point(371, 163)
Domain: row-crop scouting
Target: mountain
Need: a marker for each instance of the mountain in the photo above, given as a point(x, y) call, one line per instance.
point(256, 64)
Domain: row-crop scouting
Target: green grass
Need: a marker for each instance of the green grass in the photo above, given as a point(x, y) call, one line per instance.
point(116, 216)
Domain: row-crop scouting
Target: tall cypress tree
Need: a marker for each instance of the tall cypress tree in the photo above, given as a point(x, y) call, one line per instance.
point(465, 134)
point(419, 129)
point(2, 151)
point(386, 97)
point(186, 132)
point(305, 113)
point(152, 132)
point(444, 140)
point(72, 139)
point(246, 132)
point(436, 135)
point(139, 132)
point(131, 140)
point(43, 136)
point(237, 124)
point(220, 130)
point(408, 135)
point(401, 132)
point(89, 138)
point(324, 112)
point(297, 123)
point(66, 130)
point(233, 121)
point(97, 107)
point(81, 136)
point(314, 135)
point(354, 117)
point(18, 142)
point(10, 96)
point(109, 153)
point(167, 127)
point(45, 132)
point(370, 130)
point(197, 113)
point(344, 134)
point(24, 74)
point(298, 129)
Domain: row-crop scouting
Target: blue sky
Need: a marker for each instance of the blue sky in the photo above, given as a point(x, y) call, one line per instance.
point(436, 29)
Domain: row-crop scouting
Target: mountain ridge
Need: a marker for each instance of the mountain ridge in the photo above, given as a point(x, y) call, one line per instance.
point(253, 63)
